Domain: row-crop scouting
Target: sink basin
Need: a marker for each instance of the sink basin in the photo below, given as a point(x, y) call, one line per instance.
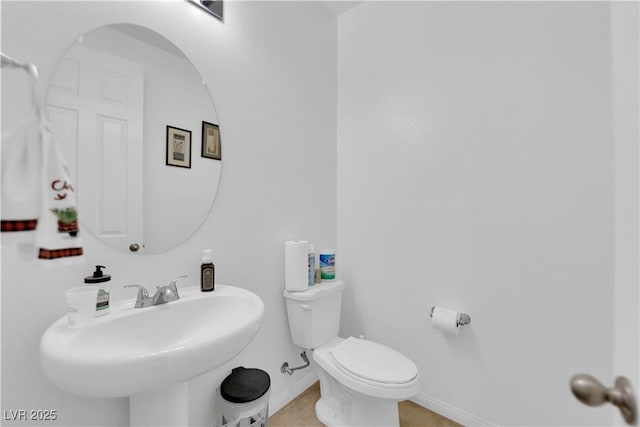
point(137, 350)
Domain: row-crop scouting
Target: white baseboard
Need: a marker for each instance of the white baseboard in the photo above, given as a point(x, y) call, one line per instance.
point(451, 412)
point(278, 402)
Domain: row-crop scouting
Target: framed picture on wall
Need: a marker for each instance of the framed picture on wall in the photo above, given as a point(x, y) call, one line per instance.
point(178, 147)
point(211, 141)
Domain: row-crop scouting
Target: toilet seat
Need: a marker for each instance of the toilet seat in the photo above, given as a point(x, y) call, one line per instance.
point(326, 360)
point(374, 362)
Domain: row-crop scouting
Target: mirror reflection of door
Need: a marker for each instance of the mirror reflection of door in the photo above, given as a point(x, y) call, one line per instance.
point(98, 99)
point(116, 73)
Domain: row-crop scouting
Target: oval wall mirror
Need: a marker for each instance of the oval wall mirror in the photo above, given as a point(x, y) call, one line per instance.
point(140, 135)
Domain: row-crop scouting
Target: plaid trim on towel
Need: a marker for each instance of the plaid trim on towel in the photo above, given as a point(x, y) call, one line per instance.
point(59, 253)
point(19, 225)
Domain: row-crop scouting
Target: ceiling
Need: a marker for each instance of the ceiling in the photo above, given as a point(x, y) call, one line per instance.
point(338, 7)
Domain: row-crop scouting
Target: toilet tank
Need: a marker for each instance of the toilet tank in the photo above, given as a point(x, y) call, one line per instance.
point(314, 314)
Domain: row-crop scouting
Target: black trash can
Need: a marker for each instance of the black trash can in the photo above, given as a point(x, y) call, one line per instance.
point(245, 398)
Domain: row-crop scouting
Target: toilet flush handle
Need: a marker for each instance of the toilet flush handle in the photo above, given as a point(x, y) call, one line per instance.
point(306, 307)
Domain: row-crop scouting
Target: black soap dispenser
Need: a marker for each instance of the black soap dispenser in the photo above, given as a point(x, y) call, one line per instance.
point(102, 304)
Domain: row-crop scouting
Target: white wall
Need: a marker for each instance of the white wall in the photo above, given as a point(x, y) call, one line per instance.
point(475, 171)
point(271, 72)
point(625, 38)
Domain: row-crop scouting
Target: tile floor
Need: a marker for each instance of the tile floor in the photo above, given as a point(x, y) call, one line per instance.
point(300, 412)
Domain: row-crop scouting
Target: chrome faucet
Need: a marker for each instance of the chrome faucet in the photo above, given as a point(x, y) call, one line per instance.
point(163, 295)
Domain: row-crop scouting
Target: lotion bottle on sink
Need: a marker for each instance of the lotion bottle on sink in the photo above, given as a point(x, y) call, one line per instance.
point(207, 272)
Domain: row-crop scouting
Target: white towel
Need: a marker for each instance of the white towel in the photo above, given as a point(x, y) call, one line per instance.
point(21, 181)
point(37, 192)
point(57, 232)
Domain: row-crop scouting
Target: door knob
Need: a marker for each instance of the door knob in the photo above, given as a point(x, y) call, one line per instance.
point(590, 391)
point(134, 247)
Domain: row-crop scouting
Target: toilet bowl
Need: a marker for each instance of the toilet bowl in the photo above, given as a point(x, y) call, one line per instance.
point(361, 381)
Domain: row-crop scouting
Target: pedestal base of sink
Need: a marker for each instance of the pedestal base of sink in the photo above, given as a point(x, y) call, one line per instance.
point(168, 406)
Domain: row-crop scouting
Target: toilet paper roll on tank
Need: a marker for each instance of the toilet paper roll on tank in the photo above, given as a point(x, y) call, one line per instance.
point(296, 265)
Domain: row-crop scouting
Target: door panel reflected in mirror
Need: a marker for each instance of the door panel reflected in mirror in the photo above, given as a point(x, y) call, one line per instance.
point(112, 102)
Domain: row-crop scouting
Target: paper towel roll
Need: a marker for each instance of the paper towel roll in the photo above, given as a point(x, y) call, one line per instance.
point(296, 268)
point(446, 320)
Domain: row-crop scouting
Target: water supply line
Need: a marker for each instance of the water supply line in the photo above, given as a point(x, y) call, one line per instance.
point(285, 369)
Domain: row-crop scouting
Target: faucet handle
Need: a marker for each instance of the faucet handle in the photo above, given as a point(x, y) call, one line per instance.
point(175, 279)
point(143, 295)
point(173, 284)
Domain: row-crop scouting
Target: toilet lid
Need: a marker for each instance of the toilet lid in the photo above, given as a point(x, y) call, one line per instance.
point(374, 361)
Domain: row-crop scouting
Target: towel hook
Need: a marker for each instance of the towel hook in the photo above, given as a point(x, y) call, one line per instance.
point(9, 62)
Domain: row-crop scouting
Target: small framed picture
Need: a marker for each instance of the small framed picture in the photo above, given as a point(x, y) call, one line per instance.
point(178, 147)
point(211, 141)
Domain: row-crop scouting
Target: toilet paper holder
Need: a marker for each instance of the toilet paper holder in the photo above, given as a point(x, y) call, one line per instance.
point(463, 318)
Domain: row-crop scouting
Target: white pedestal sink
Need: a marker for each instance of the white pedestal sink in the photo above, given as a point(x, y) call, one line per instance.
point(149, 354)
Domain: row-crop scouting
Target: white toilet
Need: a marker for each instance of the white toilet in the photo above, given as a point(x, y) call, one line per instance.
point(361, 382)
